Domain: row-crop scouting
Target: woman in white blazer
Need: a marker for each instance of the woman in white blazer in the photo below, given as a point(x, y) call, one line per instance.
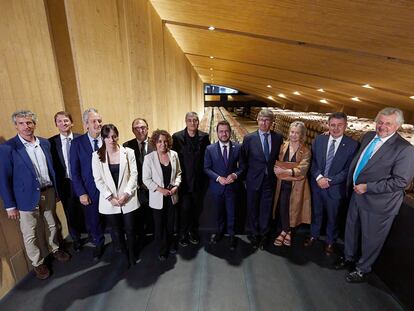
point(115, 172)
point(161, 173)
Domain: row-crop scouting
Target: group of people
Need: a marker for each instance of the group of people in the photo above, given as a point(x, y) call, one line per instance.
point(157, 184)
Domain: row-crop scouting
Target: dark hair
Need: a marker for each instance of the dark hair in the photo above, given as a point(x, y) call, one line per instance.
point(337, 115)
point(223, 122)
point(106, 129)
point(156, 135)
point(63, 113)
point(139, 119)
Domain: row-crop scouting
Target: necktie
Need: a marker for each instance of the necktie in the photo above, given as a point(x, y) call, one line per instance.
point(226, 162)
point(95, 145)
point(329, 158)
point(142, 155)
point(68, 141)
point(266, 147)
point(365, 157)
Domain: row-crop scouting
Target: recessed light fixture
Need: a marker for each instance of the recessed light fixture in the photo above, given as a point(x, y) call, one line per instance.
point(321, 90)
point(211, 68)
point(367, 86)
point(296, 93)
point(324, 101)
point(270, 97)
point(269, 86)
point(211, 28)
point(211, 57)
point(281, 95)
point(355, 99)
point(412, 97)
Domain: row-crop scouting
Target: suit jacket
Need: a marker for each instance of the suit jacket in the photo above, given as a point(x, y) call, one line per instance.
point(214, 166)
point(388, 172)
point(81, 168)
point(254, 161)
point(338, 171)
point(19, 179)
point(127, 182)
point(59, 161)
point(152, 177)
point(192, 161)
point(133, 144)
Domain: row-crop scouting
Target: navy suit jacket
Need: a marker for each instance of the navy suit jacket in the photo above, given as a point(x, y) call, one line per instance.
point(254, 161)
point(338, 171)
point(59, 161)
point(20, 187)
point(214, 166)
point(81, 168)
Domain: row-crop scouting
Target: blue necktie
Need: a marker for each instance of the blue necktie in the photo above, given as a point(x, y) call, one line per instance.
point(95, 145)
point(225, 156)
point(329, 158)
point(266, 147)
point(365, 157)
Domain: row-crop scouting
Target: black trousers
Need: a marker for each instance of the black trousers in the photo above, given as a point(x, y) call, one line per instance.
point(123, 225)
point(190, 211)
point(165, 226)
point(284, 206)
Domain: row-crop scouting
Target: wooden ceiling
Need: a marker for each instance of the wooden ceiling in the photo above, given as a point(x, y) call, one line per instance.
point(301, 46)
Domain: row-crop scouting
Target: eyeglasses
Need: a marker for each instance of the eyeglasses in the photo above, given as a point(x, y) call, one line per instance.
point(141, 128)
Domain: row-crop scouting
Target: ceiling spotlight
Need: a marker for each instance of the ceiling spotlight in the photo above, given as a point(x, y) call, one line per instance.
point(321, 90)
point(211, 28)
point(367, 86)
point(211, 57)
point(211, 68)
point(324, 101)
point(296, 93)
point(269, 86)
point(355, 99)
point(270, 97)
point(281, 95)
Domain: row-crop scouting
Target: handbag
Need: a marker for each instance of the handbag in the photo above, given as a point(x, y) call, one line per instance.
point(288, 166)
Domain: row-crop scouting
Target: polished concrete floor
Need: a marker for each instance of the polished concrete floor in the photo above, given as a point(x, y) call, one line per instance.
point(201, 277)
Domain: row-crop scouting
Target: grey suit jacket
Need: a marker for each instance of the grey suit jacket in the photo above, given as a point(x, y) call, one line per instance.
point(387, 174)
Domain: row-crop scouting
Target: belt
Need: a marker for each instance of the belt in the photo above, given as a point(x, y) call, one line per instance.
point(45, 188)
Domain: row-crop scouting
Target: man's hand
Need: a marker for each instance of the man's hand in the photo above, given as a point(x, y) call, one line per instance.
point(85, 200)
point(13, 214)
point(323, 182)
point(231, 178)
point(222, 181)
point(361, 188)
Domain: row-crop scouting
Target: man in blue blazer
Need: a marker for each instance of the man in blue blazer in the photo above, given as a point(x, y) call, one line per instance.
point(331, 156)
point(27, 187)
point(60, 148)
point(260, 151)
point(221, 164)
point(82, 179)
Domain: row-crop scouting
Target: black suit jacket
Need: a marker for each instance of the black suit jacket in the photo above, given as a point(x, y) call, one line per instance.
point(133, 144)
point(254, 162)
point(192, 161)
point(59, 162)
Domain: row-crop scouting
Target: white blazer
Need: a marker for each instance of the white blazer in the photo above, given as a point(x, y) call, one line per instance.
point(127, 182)
point(152, 177)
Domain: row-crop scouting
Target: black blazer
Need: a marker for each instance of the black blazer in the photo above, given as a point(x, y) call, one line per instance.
point(192, 161)
point(133, 144)
point(254, 161)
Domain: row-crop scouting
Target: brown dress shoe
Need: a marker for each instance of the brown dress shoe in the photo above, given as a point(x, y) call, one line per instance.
point(329, 249)
point(309, 241)
point(42, 272)
point(61, 255)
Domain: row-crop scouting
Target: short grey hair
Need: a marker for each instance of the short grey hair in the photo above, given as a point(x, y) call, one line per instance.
point(85, 115)
point(390, 111)
point(24, 114)
point(302, 127)
point(265, 113)
point(191, 114)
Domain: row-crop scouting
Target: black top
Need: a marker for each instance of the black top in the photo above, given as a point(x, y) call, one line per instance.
point(114, 169)
point(166, 174)
point(287, 183)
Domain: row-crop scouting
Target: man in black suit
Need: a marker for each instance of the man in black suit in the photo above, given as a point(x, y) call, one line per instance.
point(259, 152)
point(60, 149)
point(141, 147)
point(191, 144)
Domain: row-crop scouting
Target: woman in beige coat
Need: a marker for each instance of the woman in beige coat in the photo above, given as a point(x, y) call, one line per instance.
point(292, 201)
point(161, 173)
point(115, 172)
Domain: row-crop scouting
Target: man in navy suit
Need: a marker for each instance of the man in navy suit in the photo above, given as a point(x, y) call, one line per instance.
point(82, 179)
point(221, 164)
point(60, 148)
point(331, 157)
point(27, 188)
point(260, 151)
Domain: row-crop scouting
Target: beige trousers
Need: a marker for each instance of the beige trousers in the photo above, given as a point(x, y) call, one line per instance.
point(42, 216)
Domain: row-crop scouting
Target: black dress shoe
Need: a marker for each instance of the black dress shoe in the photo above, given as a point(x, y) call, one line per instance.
point(342, 263)
point(193, 238)
point(263, 243)
point(309, 241)
point(77, 245)
point(233, 242)
point(162, 257)
point(183, 241)
point(215, 238)
point(98, 252)
point(254, 241)
point(355, 277)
